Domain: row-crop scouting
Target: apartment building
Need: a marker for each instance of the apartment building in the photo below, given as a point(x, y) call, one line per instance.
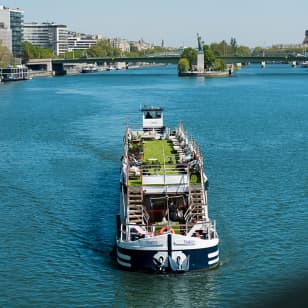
point(11, 29)
point(47, 35)
point(141, 45)
point(81, 41)
point(122, 44)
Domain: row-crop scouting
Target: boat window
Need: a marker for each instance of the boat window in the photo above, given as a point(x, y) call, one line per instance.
point(152, 115)
point(158, 115)
point(148, 115)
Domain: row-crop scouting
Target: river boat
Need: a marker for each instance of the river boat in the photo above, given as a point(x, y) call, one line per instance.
point(163, 224)
point(111, 68)
point(14, 73)
point(91, 68)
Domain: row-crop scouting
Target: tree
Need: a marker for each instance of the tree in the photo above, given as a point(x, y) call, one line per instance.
point(233, 44)
point(209, 57)
point(34, 52)
point(6, 57)
point(224, 49)
point(103, 48)
point(183, 65)
point(219, 65)
point(243, 51)
point(221, 49)
point(79, 53)
point(191, 55)
point(134, 52)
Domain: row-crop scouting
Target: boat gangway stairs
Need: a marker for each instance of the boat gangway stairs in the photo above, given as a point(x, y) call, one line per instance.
point(136, 211)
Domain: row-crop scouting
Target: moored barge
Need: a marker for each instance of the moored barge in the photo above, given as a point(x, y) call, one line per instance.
point(11, 73)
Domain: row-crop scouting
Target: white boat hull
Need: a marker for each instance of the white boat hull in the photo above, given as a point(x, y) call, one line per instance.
point(168, 252)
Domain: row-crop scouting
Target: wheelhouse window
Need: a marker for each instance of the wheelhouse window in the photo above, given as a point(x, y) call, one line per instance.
point(152, 115)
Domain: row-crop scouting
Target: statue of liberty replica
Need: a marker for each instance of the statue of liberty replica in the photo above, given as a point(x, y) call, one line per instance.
point(200, 55)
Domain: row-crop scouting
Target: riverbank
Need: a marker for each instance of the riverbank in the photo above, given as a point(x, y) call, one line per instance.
point(209, 74)
point(78, 69)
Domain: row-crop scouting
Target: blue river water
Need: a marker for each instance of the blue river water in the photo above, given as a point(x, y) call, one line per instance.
point(60, 148)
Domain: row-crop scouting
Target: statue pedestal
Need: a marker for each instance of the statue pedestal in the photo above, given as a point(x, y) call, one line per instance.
point(200, 61)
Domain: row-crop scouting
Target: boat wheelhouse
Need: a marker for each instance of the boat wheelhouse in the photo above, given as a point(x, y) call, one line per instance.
point(163, 223)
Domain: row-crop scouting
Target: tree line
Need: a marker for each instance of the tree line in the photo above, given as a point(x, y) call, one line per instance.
point(103, 48)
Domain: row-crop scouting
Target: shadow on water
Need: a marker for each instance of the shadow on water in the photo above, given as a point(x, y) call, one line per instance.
point(98, 231)
point(105, 155)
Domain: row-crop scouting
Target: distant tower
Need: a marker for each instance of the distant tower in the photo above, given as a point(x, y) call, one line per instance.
point(305, 42)
point(162, 44)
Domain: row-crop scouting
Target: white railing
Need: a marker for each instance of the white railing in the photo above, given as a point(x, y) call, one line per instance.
point(133, 232)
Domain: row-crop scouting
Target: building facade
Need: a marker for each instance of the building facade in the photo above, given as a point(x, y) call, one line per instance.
point(47, 35)
point(122, 44)
point(11, 29)
point(17, 26)
point(141, 45)
point(80, 41)
point(5, 28)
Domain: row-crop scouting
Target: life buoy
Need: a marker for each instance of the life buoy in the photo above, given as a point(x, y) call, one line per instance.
point(165, 229)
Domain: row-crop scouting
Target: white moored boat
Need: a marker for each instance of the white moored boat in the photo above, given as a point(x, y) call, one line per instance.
point(163, 223)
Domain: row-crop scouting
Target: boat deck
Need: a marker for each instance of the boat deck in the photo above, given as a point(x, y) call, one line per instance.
point(151, 154)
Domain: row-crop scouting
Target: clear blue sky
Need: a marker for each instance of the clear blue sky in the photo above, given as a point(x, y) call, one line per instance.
point(252, 23)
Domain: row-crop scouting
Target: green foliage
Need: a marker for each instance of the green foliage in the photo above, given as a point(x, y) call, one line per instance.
point(224, 49)
point(183, 65)
point(6, 57)
point(243, 51)
point(34, 52)
point(156, 49)
point(79, 53)
point(103, 48)
point(191, 55)
point(134, 52)
point(233, 45)
point(209, 56)
point(134, 49)
point(220, 49)
point(257, 51)
point(219, 65)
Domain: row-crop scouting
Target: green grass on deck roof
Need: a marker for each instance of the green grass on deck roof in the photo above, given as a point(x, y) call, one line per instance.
point(157, 149)
point(163, 151)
